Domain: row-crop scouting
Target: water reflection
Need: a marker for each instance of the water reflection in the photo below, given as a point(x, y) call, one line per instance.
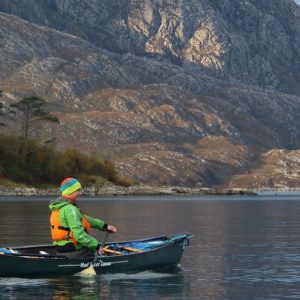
point(118, 286)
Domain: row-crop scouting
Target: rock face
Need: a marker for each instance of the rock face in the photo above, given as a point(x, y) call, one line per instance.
point(280, 169)
point(254, 42)
point(177, 92)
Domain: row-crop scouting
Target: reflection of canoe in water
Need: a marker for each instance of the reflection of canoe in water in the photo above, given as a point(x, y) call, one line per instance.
point(131, 256)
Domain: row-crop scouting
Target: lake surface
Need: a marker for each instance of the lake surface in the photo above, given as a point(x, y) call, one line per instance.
point(242, 248)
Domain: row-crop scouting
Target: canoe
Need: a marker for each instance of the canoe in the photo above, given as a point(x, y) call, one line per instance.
point(163, 252)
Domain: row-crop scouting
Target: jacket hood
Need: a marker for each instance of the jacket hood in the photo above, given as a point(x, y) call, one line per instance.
point(58, 203)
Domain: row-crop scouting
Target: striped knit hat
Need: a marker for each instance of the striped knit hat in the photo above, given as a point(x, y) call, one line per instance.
point(69, 186)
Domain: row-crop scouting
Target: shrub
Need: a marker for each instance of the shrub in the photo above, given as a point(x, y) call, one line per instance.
point(45, 165)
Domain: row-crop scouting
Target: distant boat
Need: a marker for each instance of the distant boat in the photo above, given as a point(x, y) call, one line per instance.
point(163, 252)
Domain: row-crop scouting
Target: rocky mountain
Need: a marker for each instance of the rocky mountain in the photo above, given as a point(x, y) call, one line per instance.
point(279, 169)
point(178, 92)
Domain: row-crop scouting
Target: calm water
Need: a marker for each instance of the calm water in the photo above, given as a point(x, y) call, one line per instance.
point(243, 247)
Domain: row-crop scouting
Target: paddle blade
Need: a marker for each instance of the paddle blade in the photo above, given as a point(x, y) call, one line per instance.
point(90, 271)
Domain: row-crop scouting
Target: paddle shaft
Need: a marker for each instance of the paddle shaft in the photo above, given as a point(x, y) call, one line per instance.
point(102, 244)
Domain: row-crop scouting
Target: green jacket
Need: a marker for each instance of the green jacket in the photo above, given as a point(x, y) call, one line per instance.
point(70, 217)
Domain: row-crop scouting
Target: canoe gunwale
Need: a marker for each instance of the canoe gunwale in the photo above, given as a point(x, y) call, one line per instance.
point(108, 243)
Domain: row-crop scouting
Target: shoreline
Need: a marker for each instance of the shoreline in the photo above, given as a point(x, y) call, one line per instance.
point(113, 190)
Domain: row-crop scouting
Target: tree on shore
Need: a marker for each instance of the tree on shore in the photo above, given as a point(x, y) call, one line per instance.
point(1, 109)
point(36, 162)
point(32, 111)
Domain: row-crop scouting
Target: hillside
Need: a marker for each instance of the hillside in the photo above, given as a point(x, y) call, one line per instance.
point(184, 93)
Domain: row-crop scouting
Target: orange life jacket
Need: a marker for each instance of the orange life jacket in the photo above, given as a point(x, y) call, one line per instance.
point(60, 233)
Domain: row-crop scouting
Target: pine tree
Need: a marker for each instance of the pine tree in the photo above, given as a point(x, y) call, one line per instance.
point(1, 109)
point(32, 112)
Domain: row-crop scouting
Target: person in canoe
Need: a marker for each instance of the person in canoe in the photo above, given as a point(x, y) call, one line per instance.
point(70, 227)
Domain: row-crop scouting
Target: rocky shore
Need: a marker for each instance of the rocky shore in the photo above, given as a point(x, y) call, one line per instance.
point(113, 190)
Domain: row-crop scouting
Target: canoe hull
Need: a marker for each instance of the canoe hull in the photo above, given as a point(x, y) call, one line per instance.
point(167, 256)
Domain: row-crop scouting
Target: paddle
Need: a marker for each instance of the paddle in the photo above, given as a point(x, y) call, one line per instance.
point(111, 251)
point(90, 271)
point(130, 249)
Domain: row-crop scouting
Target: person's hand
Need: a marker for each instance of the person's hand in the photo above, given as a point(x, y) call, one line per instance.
point(100, 251)
point(111, 229)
